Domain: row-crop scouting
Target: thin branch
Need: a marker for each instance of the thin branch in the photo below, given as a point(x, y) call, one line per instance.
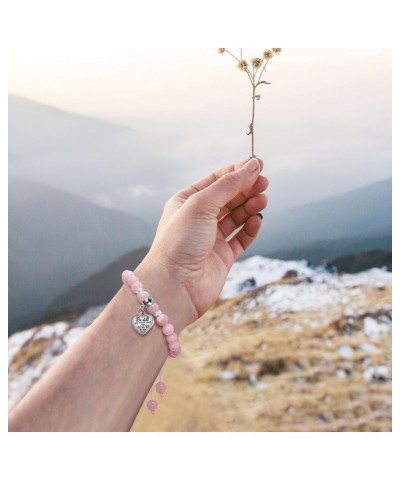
point(241, 59)
point(231, 54)
point(248, 74)
point(263, 70)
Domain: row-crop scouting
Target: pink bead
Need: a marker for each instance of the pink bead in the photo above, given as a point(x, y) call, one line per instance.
point(173, 354)
point(132, 279)
point(161, 388)
point(142, 296)
point(153, 308)
point(162, 320)
point(128, 277)
point(152, 405)
point(136, 285)
point(174, 346)
point(125, 275)
point(172, 338)
point(168, 329)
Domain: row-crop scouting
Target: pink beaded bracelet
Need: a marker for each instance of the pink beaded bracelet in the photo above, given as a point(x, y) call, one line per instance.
point(143, 323)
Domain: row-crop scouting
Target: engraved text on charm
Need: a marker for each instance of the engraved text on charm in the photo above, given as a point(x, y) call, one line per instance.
point(142, 323)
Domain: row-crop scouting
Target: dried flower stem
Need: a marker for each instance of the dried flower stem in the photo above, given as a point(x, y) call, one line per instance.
point(257, 64)
point(251, 126)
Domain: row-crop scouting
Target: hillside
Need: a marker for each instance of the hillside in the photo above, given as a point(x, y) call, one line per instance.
point(56, 240)
point(108, 164)
point(97, 289)
point(321, 250)
point(310, 352)
point(362, 261)
point(355, 221)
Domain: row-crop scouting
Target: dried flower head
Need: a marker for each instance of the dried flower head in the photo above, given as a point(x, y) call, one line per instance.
point(256, 62)
point(242, 65)
point(255, 74)
point(268, 54)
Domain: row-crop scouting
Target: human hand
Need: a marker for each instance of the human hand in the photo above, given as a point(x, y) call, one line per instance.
point(190, 242)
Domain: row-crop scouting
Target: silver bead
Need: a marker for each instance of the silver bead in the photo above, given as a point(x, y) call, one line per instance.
point(158, 313)
point(148, 301)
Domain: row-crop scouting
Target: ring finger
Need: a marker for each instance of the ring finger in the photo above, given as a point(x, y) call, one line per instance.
point(238, 216)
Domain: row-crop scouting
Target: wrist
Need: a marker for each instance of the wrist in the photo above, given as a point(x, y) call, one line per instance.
point(172, 297)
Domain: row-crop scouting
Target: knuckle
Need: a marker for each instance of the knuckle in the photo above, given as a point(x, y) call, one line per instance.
point(231, 181)
point(201, 206)
point(168, 204)
point(194, 202)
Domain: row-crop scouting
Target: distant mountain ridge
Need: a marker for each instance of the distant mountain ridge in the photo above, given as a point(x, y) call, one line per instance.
point(97, 289)
point(361, 214)
point(57, 239)
point(321, 250)
point(106, 163)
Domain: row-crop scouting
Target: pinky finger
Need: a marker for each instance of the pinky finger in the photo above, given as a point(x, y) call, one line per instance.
point(245, 236)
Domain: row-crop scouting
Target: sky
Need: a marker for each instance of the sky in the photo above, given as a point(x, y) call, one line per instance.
point(324, 122)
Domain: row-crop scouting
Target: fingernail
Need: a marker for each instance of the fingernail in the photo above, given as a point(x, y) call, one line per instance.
point(260, 215)
point(251, 165)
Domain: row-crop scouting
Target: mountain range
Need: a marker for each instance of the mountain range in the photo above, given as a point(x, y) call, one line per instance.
point(56, 240)
point(108, 164)
point(358, 220)
point(71, 247)
point(68, 173)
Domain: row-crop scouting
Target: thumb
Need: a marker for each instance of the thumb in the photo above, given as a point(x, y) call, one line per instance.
point(226, 188)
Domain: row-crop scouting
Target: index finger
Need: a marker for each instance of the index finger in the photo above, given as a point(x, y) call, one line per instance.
point(210, 179)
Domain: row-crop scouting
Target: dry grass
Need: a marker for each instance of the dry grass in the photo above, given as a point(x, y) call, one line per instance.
point(287, 375)
point(247, 367)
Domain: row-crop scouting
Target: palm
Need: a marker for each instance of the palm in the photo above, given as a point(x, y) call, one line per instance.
point(198, 255)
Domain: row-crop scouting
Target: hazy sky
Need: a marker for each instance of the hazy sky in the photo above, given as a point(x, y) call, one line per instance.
point(324, 121)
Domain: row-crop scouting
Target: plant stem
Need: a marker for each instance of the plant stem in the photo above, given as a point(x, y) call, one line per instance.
point(262, 71)
point(252, 120)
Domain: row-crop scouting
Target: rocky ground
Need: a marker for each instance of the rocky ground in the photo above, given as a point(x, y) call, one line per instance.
point(308, 352)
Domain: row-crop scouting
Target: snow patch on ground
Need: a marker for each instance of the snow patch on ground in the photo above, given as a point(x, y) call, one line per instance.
point(295, 298)
point(345, 351)
point(378, 373)
point(257, 271)
point(263, 270)
point(374, 329)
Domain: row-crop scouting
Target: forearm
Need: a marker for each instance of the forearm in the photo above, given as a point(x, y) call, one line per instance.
point(101, 382)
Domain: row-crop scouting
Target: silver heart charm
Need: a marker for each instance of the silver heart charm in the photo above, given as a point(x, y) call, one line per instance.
point(142, 323)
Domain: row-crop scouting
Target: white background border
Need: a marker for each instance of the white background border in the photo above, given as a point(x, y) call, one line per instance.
point(286, 23)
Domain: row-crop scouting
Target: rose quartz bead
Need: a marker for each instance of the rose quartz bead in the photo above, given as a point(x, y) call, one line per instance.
point(174, 346)
point(168, 329)
point(131, 279)
point(128, 277)
point(172, 338)
point(173, 354)
point(125, 275)
point(152, 405)
point(136, 285)
point(153, 308)
point(162, 320)
point(161, 388)
point(142, 296)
